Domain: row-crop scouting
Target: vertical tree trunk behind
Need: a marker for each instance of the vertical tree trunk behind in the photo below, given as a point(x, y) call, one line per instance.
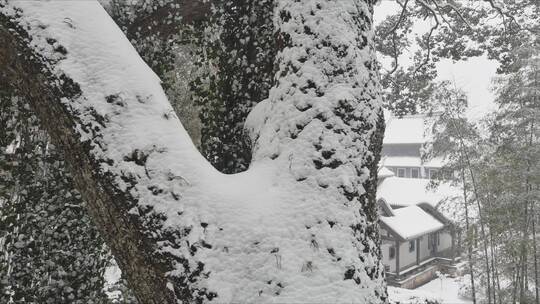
point(469, 236)
point(464, 155)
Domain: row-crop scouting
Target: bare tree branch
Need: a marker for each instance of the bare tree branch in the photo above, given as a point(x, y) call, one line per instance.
point(428, 38)
point(393, 31)
point(503, 14)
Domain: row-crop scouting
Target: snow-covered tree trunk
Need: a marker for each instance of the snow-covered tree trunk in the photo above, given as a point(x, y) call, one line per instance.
point(299, 226)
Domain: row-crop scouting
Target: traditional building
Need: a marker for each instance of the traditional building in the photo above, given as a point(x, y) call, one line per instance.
point(402, 146)
point(418, 240)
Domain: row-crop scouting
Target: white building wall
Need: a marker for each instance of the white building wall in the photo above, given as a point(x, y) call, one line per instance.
point(445, 238)
point(385, 249)
point(424, 250)
point(406, 258)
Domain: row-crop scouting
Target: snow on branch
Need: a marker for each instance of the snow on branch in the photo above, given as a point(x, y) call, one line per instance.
point(299, 225)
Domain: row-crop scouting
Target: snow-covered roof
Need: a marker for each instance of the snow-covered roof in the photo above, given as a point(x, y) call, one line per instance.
point(435, 162)
point(398, 191)
point(384, 172)
point(406, 130)
point(411, 222)
point(411, 161)
point(401, 161)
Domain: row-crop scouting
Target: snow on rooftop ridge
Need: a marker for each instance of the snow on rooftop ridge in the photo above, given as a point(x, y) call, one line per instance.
point(384, 173)
point(398, 191)
point(402, 161)
point(409, 129)
point(411, 222)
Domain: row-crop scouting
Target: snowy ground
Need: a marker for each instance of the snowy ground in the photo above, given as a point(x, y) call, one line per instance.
point(444, 290)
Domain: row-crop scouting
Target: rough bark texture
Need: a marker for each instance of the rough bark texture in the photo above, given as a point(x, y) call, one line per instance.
point(299, 226)
point(239, 70)
point(25, 70)
point(324, 115)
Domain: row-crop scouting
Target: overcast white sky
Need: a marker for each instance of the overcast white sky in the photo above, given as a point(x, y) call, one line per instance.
point(473, 76)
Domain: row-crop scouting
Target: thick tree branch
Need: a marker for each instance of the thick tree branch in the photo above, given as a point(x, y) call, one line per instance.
point(182, 232)
point(29, 74)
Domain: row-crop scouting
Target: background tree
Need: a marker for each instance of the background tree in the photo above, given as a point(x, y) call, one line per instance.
point(455, 140)
point(448, 29)
point(513, 164)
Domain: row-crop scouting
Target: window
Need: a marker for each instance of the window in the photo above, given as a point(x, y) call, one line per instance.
point(401, 172)
point(433, 240)
point(433, 173)
point(415, 173)
point(411, 246)
point(392, 252)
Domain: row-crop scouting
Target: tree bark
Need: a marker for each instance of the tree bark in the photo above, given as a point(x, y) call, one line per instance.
point(180, 231)
point(28, 72)
point(469, 235)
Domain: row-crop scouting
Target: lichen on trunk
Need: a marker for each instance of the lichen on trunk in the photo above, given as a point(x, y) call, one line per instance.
point(299, 226)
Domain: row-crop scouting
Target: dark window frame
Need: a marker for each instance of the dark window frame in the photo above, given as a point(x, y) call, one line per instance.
point(417, 170)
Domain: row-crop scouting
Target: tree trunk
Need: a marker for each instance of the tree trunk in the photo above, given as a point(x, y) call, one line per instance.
point(299, 225)
point(469, 235)
point(464, 156)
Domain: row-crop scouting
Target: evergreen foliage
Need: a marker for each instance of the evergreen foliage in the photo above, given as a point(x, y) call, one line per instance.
point(237, 50)
point(497, 166)
point(50, 250)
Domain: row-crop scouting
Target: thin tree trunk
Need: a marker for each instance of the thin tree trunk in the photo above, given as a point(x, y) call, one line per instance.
point(535, 252)
point(496, 274)
point(482, 229)
point(533, 209)
point(466, 159)
point(465, 156)
point(492, 249)
point(524, 277)
point(469, 236)
point(516, 283)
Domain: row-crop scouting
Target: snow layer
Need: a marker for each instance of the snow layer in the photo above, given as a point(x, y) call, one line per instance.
point(401, 161)
point(261, 235)
point(411, 222)
point(407, 296)
point(399, 191)
point(406, 130)
point(446, 290)
point(384, 173)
